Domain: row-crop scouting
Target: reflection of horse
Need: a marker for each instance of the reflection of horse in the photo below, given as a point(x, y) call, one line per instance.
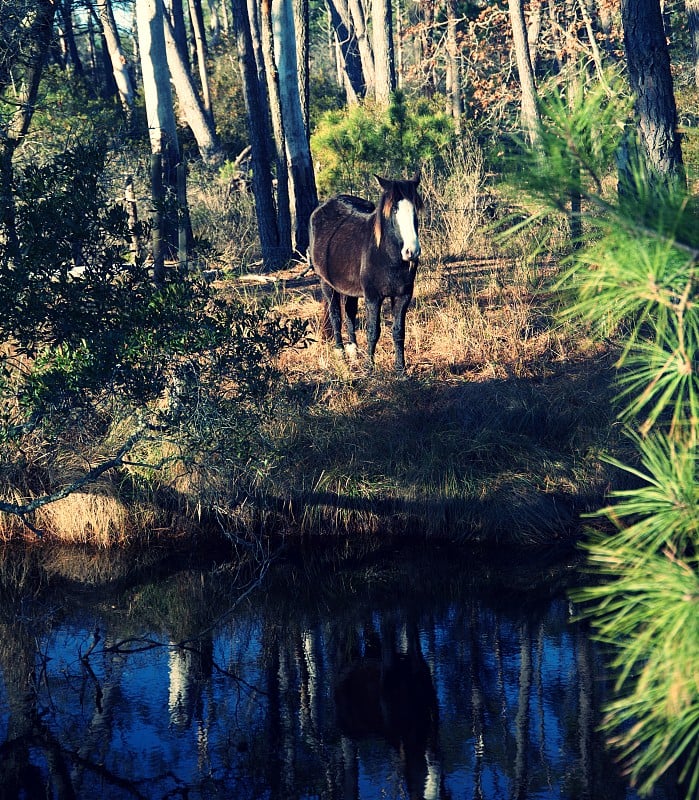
point(389, 692)
point(361, 251)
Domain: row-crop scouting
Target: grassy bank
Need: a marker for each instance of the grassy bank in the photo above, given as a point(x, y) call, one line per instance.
point(496, 436)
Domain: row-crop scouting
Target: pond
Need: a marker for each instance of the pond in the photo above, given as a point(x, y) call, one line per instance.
point(420, 673)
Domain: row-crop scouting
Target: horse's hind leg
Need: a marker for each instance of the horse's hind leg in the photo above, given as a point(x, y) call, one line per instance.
point(373, 328)
point(332, 298)
point(351, 305)
point(400, 309)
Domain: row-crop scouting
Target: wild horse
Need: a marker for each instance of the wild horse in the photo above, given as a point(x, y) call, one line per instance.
point(361, 250)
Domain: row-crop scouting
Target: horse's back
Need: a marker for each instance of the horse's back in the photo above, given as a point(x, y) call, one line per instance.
point(338, 230)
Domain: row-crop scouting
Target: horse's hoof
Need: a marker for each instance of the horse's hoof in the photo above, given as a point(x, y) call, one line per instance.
point(352, 352)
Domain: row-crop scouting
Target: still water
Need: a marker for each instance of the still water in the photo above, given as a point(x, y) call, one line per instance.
point(409, 675)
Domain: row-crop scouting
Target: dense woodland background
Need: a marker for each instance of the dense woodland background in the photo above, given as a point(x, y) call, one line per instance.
point(156, 156)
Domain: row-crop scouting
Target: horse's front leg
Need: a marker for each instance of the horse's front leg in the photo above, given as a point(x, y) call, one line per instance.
point(332, 298)
point(373, 328)
point(351, 305)
point(400, 309)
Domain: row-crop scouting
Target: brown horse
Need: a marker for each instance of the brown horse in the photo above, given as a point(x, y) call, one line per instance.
point(361, 250)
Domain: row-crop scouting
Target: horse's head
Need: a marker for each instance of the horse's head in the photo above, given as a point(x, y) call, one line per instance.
point(399, 205)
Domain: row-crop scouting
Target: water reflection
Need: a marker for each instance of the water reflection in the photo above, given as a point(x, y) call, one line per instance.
point(428, 678)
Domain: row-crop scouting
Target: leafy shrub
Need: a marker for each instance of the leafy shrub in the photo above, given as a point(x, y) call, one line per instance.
point(89, 340)
point(349, 146)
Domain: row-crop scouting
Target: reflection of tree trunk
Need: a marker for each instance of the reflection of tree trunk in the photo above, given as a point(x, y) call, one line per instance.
point(522, 718)
point(477, 709)
point(17, 654)
point(350, 769)
point(273, 770)
point(583, 652)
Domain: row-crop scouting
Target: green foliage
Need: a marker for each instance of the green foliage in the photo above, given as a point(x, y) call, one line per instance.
point(351, 145)
point(78, 340)
point(633, 277)
point(70, 114)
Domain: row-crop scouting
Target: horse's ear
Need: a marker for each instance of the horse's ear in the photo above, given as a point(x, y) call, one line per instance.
point(384, 183)
point(416, 177)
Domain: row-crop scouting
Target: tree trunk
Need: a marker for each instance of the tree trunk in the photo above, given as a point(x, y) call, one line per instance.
point(118, 60)
point(198, 121)
point(301, 22)
point(529, 109)
point(692, 9)
point(427, 56)
point(454, 86)
point(257, 128)
point(302, 188)
point(351, 65)
point(36, 40)
point(384, 62)
point(282, 171)
point(366, 55)
point(174, 11)
point(157, 94)
point(651, 82)
point(197, 19)
point(534, 31)
point(69, 36)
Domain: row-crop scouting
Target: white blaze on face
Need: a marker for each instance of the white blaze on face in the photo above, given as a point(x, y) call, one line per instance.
point(405, 219)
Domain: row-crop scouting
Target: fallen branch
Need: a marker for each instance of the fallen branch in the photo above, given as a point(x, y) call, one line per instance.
point(22, 510)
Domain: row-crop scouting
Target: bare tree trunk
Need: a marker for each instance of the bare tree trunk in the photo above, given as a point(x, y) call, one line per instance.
point(384, 61)
point(157, 92)
point(118, 59)
point(454, 84)
point(427, 12)
point(692, 9)
point(198, 121)
point(162, 128)
point(282, 171)
point(529, 109)
point(352, 77)
point(356, 10)
point(301, 14)
point(302, 186)
point(257, 129)
point(66, 10)
point(197, 19)
point(36, 41)
point(651, 81)
point(534, 31)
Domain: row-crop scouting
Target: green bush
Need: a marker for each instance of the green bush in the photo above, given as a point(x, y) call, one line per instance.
point(89, 339)
point(350, 145)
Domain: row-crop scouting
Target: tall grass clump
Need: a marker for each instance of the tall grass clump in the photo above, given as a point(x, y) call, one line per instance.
point(633, 280)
